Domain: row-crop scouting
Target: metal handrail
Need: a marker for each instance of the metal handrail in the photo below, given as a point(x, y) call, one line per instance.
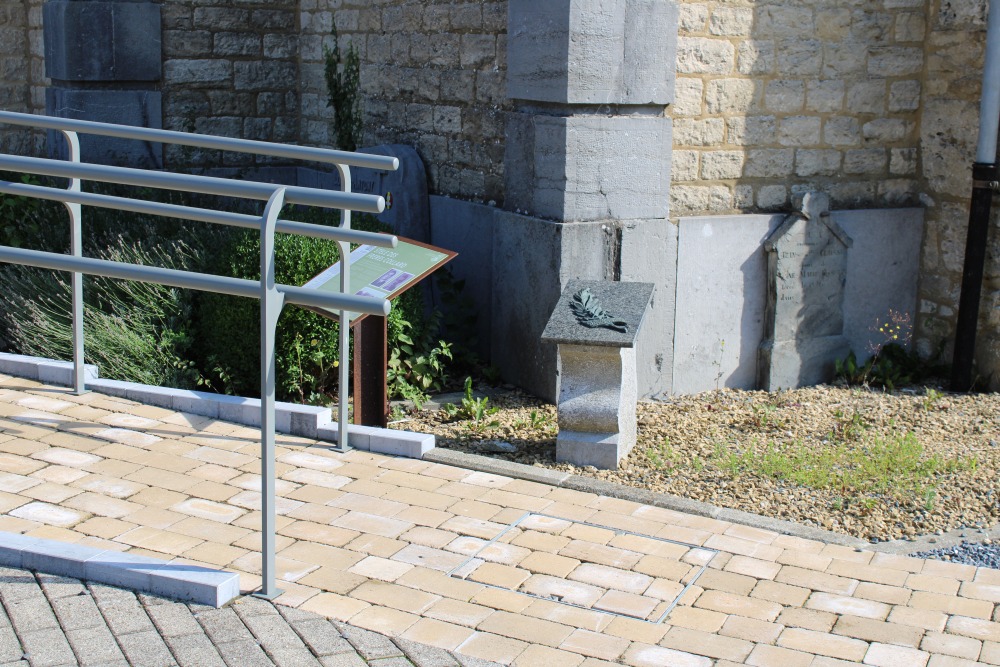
point(272, 295)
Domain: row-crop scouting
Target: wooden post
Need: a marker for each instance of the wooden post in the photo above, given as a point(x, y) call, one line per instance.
point(371, 397)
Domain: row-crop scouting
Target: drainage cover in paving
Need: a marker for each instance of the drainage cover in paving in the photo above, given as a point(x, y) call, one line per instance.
point(585, 565)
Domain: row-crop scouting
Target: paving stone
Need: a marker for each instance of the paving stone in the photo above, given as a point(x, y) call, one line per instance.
point(31, 615)
point(343, 660)
point(95, 646)
point(146, 649)
point(195, 650)
point(10, 647)
point(425, 656)
point(125, 616)
point(244, 654)
point(173, 620)
point(223, 626)
point(47, 647)
point(371, 645)
point(56, 586)
point(321, 636)
point(273, 633)
point(78, 612)
point(293, 657)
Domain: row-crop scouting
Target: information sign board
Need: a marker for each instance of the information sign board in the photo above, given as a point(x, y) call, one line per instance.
point(382, 272)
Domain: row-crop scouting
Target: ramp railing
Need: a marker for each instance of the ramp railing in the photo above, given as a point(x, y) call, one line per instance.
point(272, 296)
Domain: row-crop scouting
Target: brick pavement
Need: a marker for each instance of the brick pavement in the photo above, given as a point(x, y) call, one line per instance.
point(369, 539)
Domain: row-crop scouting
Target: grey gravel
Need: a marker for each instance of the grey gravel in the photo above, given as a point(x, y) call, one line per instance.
point(967, 553)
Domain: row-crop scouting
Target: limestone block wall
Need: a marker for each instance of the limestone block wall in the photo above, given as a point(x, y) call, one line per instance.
point(776, 97)
point(22, 71)
point(230, 68)
point(433, 76)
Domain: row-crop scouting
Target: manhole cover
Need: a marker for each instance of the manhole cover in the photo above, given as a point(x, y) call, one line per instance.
point(586, 565)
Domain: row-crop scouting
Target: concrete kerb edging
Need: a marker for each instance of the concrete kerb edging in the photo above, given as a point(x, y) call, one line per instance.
point(150, 575)
point(601, 487)
point(307, 421)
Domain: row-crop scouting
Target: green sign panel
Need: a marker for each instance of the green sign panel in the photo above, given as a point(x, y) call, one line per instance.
point(383, 272)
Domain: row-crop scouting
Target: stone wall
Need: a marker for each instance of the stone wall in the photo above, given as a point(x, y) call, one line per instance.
point(22, 75)
point(777, 97)
point(433, 76)
point(230, 68)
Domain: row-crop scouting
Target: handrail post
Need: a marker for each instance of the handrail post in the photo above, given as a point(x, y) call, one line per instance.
point(343, 442)
point(76, 249)
point(271, 302)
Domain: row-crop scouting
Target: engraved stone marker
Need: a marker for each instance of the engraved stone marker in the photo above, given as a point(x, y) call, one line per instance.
point(595, 325)
point(804, 319)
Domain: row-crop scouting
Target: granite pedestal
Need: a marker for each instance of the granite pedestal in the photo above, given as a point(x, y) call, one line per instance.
point(597, 391)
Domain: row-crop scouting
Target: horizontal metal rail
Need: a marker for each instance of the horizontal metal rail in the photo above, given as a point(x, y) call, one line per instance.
point(191, 183)
point(205, 282)
point(195, 213)
point(202, 141)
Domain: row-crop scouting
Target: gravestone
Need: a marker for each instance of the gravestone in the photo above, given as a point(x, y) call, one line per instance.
point(804, 317)
point(595, 325)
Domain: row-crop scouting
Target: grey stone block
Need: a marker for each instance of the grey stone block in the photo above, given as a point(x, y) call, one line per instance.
point(95, 646)
point(126, 107)
point(321, 637)
point(146, 648)
point(195, 584)
point(47, 647)
point(195, 403)
point(31, 615)
point(592, 51)
point(78, 612)
point(371, 645)
point(68, 560)
point(467, 228)
point(359, 437)
point(401, 443)
point(61, 372)
point(173, 619)
point(121, 569)
point(159, 396)
point(128, 48)
point(223, 625)
point(584, 168)
point(195, 650)
point(246, 653)
point(116, 388)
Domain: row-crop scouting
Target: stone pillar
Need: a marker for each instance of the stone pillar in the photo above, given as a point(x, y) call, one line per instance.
point(103, 57)
point(588, 145)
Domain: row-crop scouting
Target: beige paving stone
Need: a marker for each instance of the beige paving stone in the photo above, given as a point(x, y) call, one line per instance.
point(410, 480)
point(784, 594)
point(841, 604)
point(918, 618)
point(382, 569)
point(320, 554)
point(367, 504)
point(515, 500)
point(416, 498)
point(285, 569)
point(396, 597)
point(127, 437)
point(808, 619)
point(94, 503)
point(213, 491)
point(160, 541)
point(543, 656)
point(976, 628)
point(728, 603)
point(629, 604)
point(590, 534)
point(434, 581)
point(531, 630)
point(752, 567)
point(163, 479)
point(473, 510)
point(367, 487)
point(980, 591)
point(987, 575)
point(53, 493)
point(252, 500)
point(22, 447)
point(80, 443)
point(595, 644)
point(370, 523)
point(104, 527)
point(703, 643)
point(693, 618)
point(727, 581)
point(13, 483)
point(886, 655)
point(316, 513)
point(488, 646)
point(804, 560)
point(20, 465)
point(458, 612)
point(376, 545)
point(610, 577)
point(822, 643)
point(990, 653)
point(954, 645)
point(951, 661)
point(664, 589)
point(220, 555)
point(545, 563)
point(507, 516)
point(643, 655)
point(569, 511)
point(870, 573)
point(602, 555)
point(494, 574)
point(428, 537)
point(43, 403)
point(45, 513)
point(109, 486)
point(252, 482)
point(741, 547)
point(872, 630)
point(154, 517)
point(933, 584)
point(764, 655)
point(849, 554)
point(55, 533)
point(940, 568)
point(212, 531)
point(159, 498)
point(206, 509)
point(11, 524)
point(584, 619)
point(540, 541)
point(310, 495)
point(436, 559)
point(66, 457)
point(333, 580)
point(334, 606)
point(502, 600)
point(471, 527)
point(423, 516)
point(894, 562)
point(751, 629)
point(432, 632)
point(817, 581)
point(893, 595)
point(316, 459)
point(544, 586)
point(127, 421)
point(951, 605)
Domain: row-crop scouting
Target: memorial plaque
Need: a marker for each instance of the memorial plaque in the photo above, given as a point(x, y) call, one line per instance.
point(804, 320)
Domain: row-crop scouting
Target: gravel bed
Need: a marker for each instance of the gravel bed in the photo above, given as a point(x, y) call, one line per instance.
point(687, 446)
point(985, 554)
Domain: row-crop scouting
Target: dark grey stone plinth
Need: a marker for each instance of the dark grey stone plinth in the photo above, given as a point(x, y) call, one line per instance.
point(127, 107)
point(102, 41)
point(804, 320)
point(597, 389)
